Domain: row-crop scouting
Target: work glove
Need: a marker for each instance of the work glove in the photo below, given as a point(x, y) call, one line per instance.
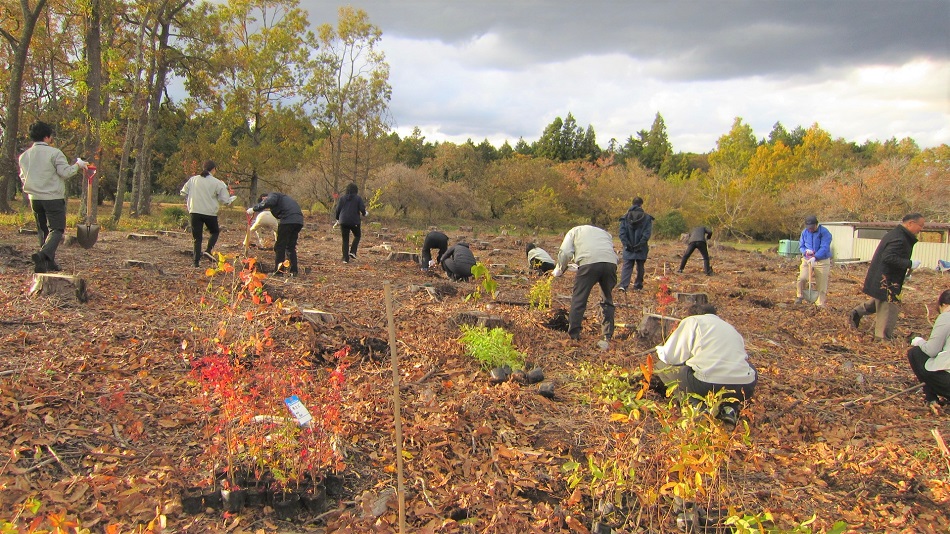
point(432, 263)
point(250, 211)
point(557, 272)
point(336, 224)
point(917, 341)
point(914, 264)
point(811, 260)
point(809, 253)
point(366, 213)
point(83, 164)
point(232, 199)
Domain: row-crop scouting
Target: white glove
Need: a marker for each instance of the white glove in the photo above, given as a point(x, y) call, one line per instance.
point(366, 213)
point(917, 341)
point(811, 260)
point(336, 224)
point(232, 199)
point(914, 264)
point(557, 272)
point(250, 211)
point(82, 163)
point(432, 263)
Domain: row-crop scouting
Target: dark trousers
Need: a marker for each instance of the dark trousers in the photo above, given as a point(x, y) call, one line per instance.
point(286, 246)
point(604, 274)
point(455, 270)
point(627, 270)
point(541, 267)
point(428, 246)
point(198, 222)
point(703, 250)
point(347, 247)
point(936, 383)
point(50, 216)
point(689, 384)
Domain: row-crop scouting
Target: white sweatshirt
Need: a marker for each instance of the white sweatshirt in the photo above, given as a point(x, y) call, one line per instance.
point(205, 194)
point(712, 347)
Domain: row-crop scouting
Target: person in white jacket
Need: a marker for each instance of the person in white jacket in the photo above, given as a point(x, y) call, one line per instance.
point(204, 195)
point(708, 355)
point(265, 228)
point(930, 358)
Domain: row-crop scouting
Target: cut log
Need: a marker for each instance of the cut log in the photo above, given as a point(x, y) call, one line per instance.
point(143, 237)
point(384, 247)
point(501, 266)
point(173, 233)
point(403, 256)
point(432, 291)
point(47, 284)
point(30, 231)
point(692, 298)
point(478, 318)
point(148, 266)
point(654, 326)
point(317, 317)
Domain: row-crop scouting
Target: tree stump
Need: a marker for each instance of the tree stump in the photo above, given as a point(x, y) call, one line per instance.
point(478, 318)
point(692, 298)
point(654, 326)
point(317, 317)
point(511, 298)
point(143, 237)
point(403, 256)
point(47, 284)
point(29, 231)
point(148, 266)
point(172, 233)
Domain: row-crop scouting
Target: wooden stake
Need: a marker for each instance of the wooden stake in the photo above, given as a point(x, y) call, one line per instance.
point(397, 408)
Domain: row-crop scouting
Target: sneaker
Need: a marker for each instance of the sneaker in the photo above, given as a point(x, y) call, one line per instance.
point(622, 289)
point(344, 261)
point(208, 255)
point(353, 255)
point(728, 416)
point(53, 267)
point(855, 318)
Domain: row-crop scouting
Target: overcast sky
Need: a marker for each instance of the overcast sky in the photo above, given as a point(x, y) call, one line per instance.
point(504, 69)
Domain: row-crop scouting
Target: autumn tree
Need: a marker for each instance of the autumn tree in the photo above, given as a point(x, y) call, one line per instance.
point(350, 92)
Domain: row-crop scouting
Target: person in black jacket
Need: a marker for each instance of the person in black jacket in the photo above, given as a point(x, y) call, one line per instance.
point(434, 240)
point(636, 227)
point(348, 211)
point(457, 262)
point(697, 241)
point(885, 278)
point(289, 223)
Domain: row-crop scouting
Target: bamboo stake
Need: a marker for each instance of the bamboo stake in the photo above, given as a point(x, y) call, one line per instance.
point(397, 408)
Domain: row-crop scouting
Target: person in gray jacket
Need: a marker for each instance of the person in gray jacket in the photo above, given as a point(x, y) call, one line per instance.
point(696, 240)
point(289, 223)
point(457, 262)
point(592, 249)
point(930, 358)
point(43, 171)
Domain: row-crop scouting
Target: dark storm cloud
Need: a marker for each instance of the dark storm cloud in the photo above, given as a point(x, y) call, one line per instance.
point(687, 40)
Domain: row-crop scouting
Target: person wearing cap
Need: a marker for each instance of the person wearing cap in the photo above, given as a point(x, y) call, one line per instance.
point(435, 240)
point(886, 274)
point(539, 261)
point(592, 249)
point(815, 246)
point(43, 171)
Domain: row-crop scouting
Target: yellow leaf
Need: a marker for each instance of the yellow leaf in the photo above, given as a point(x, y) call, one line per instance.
point(619, 417)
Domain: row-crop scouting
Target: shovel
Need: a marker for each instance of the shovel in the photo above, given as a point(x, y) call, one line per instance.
point(88, 233)
point(809, 294)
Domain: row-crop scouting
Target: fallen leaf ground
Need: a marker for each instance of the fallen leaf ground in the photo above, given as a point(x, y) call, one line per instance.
point(101, 421)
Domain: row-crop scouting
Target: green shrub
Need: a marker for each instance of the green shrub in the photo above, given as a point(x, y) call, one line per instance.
point(174, 216)
point(491, 348)
point(670, 225)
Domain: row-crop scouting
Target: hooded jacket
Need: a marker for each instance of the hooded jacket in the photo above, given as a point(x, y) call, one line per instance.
point(636, 227)
point(283, 207)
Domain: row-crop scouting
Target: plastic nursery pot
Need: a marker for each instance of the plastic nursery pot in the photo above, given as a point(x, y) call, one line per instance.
point(534, 376)
point(500, 374)
point(212, 499)
point(314, 499)
point(256, 496)
point(233, 500)
point(286, 505)
point(191, 501)
point(546, 390)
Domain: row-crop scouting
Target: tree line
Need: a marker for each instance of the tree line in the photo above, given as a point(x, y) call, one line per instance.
point(152, 89)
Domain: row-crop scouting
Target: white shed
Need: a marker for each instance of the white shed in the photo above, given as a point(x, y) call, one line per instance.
point(857, 241)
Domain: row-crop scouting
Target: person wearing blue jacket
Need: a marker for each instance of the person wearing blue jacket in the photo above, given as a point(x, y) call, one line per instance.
point(815, 246)
point(348, 211)
point(636, 227)
point(289, 223)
